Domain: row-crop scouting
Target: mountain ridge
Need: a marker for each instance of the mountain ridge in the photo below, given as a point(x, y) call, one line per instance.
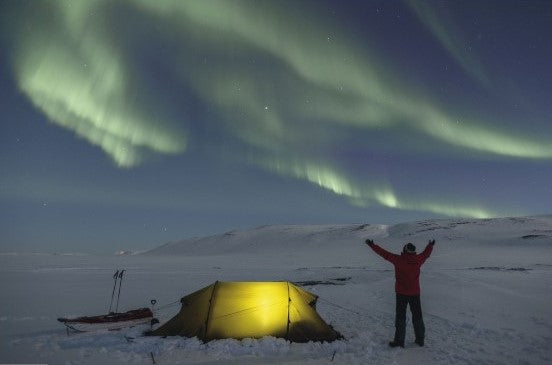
point(332, 237)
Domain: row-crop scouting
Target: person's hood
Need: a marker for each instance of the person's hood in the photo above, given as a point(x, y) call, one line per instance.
point(410, 257)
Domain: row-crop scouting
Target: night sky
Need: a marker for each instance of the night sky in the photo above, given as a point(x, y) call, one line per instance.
point(128, 124)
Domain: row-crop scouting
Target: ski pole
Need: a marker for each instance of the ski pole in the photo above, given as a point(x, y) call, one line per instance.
point(120, 284)
point(113, 292)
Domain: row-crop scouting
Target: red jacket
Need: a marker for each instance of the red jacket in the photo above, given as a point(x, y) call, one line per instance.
point(407, 268)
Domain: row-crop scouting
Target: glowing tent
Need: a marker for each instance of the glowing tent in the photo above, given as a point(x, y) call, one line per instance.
point(249, 310)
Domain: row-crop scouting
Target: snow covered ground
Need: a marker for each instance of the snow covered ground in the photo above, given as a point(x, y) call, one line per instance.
point(486, 295)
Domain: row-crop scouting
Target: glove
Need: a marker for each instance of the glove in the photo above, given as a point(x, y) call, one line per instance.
point(369, 242)
point(432, 242)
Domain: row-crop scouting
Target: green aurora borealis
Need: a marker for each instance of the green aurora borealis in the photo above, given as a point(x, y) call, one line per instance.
point(290, 90)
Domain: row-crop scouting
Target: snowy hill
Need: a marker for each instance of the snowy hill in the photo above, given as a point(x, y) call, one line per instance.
point(486, 294)
point(497, 240)
point(274, 239)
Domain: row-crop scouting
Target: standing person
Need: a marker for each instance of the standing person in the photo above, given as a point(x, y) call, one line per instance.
point(407, 288)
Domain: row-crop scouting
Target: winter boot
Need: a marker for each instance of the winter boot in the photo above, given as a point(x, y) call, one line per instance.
point(396, 344)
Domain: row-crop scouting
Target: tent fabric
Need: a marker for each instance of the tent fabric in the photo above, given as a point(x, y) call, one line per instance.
point(249, 310)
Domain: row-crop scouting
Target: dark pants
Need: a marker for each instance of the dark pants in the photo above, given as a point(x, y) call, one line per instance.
point(400, 317)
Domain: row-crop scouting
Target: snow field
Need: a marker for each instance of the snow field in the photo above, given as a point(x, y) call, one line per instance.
point(486, 294)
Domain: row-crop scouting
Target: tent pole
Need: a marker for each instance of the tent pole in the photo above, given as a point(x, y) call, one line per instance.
point(209, 311)
point(289, 301)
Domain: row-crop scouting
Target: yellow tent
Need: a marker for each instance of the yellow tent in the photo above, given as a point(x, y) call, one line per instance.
point(249, 310)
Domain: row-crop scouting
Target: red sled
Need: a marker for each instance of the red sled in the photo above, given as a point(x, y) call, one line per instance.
point(112, 321)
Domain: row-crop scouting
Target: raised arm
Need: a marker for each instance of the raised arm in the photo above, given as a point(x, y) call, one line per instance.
point(427, 251)
point(391, 257)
